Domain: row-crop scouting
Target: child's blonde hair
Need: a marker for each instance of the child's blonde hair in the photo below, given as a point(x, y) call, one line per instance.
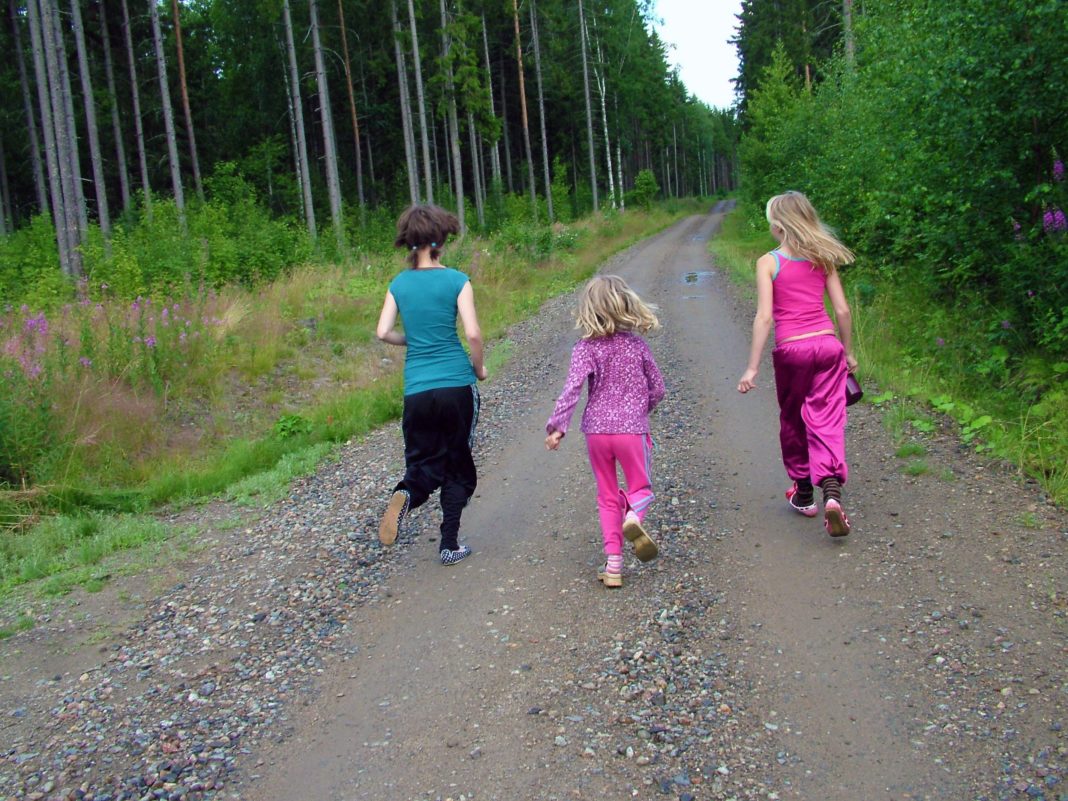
point(608, 305)
point(804, 233)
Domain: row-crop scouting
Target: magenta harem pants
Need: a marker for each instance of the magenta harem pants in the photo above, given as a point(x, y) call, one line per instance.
point(810, 377)
point(634, 453)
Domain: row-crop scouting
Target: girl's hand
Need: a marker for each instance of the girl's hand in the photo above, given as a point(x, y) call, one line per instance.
point(851, 362)
point(552, 442)
point(481, 373)
point(747, 381)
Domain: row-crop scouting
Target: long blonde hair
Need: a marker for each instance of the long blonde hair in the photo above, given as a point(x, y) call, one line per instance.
point(804, 233)
point(608, 305)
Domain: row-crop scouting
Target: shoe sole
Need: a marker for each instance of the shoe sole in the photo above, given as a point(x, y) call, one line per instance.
point(610, 580)
point(835, 521)
point(390, 525)
point(644, 547)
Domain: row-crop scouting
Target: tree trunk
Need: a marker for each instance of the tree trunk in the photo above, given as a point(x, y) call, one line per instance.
point(43, 47)
point(367, 136)
point(352, 109)
point(67, 134)
point(116, 122)
point(599, 79)
point(185, 103)
point(454, 127)
point(168, 111)
point(589, 107)
point(428, 185)
point(6, 215)
point(99, 182)
point(523, 113)
point(406, 109)
point(39, 182)
point(297, 102)
point(541, 111)
point(675, 150)
point(504, 129)
point(333, 182)
point(495, 153)
point(139, 132)
point(619, 167)
point(291, 117)
point(472, 137)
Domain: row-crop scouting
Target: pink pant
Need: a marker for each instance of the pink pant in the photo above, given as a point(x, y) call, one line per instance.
point(810, 379)
point(634, 453)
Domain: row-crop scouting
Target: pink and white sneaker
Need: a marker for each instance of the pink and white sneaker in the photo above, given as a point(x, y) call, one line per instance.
point(811, 510)
point(834, 519)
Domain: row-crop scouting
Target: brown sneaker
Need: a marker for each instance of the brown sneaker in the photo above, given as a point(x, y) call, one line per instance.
point(644, 547)
point(610, 579)
point(393, 517)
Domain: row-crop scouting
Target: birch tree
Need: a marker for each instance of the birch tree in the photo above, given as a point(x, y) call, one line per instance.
point(89, 100)
point(589, 106)
point(113, 102)
point(417, 60)
point(186, 110)
point(523, 112)
point(405, 108)
point(352, 107)
point(39, 184)
point(168, 111)
point(135, 96)
point(454, 127)
point(333, 182)
point(297, 114)
point(541, 110)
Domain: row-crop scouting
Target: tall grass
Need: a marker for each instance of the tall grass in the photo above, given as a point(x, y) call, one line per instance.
point(959, 360)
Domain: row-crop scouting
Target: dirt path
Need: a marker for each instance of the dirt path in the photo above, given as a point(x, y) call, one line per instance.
point(920, 658)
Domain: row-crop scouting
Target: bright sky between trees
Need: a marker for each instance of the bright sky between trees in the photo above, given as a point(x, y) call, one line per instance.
point(698, 34)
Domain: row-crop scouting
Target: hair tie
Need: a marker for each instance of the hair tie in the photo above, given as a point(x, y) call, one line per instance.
point(415, 247)
point(433, 244)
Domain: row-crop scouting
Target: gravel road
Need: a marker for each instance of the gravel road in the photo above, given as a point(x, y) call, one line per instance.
point(289, 656)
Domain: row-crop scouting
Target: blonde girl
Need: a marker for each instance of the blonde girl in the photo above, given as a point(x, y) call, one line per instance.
point(625, 385)
point(810, 362)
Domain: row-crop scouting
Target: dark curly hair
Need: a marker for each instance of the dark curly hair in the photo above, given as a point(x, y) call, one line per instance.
point(425, 225)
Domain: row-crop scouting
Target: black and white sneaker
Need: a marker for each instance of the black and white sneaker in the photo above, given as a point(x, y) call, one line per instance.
point(451, 557)
point(397, 508)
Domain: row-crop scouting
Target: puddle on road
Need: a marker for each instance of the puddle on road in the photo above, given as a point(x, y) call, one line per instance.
point(698, 276)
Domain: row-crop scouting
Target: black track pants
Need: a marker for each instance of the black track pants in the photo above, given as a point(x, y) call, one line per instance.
point(439, 431)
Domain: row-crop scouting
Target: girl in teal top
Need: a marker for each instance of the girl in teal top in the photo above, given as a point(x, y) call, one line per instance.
point(441, 399)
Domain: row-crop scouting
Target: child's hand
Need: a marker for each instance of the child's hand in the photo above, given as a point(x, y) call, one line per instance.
point(481, 373)
point(552, 442)
point(747, 381)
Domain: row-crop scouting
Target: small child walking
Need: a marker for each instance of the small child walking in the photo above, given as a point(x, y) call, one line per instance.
point(441, 400)
point(810, 362)
point(625, 385)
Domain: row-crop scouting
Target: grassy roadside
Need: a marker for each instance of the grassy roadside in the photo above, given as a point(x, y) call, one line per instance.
point(923, 379)
point(301, 374)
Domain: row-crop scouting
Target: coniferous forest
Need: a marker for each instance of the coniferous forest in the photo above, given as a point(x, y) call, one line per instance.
point(121, 117)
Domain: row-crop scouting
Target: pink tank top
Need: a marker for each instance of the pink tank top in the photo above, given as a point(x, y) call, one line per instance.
point(797, 298)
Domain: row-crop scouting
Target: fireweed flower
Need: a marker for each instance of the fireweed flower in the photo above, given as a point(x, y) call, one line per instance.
point(940, 342)
point(1058, 170)
point(150, 341)
point(1054, 220)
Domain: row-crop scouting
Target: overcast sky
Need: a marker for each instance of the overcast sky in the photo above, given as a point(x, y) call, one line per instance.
point(700, 31)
